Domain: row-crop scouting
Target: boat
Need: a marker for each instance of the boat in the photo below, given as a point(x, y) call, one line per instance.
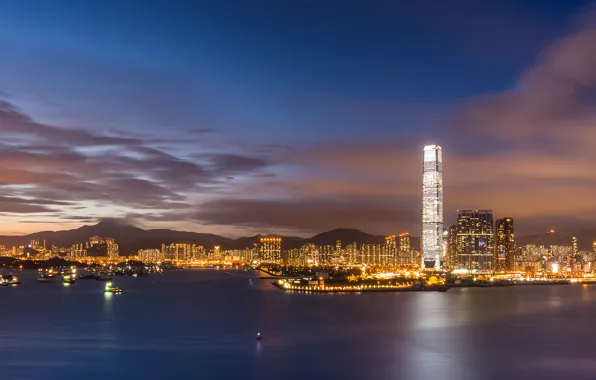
point(69, 278)
point(258, 336)
point(111, 289)
point(88, 276)
point(9, 279)
point(46, 278)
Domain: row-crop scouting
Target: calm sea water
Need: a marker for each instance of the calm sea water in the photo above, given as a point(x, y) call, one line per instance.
point(201, 324)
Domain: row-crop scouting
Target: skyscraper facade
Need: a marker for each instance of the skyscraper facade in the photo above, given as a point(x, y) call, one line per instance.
point(270, 250)
point(389, 256)
point(432, 207)
point(452, 246)
point(475, 239)
point(504, 245)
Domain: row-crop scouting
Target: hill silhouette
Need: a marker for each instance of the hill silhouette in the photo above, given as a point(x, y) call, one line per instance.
point(131, 238)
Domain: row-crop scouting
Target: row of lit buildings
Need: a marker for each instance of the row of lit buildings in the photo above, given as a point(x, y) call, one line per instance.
point(96, 246)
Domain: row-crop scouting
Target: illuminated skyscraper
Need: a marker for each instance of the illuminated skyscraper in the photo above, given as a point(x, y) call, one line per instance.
point(112, 248)
point(452, 246)
point(574, 245)
point(270, 250)
point(475, 239)
point(390, 251)
point(404, 242)
point(504, 245)
point(432, 207)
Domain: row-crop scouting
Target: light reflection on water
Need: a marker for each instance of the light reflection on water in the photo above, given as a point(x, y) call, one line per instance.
point(203, 324)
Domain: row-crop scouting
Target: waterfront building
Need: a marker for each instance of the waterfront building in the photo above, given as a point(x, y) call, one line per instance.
point(326, 254)
point(112, 248)
point(432, 207)
point(352, 253)
point(504, 245)
point(405, 243)
point(176, 251)
point(270, 250)
point(405, 254)
point(78, 251)
point(150, 255)
point(452, 246)
point(94, 240)
point(475, 239)
point(390, 251)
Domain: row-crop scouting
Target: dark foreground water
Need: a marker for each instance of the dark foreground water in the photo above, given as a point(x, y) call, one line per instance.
point(201, 324)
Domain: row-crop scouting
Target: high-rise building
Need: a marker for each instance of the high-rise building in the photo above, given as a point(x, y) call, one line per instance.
point(475, 239)
point(94, 240)
point(405, 243)
point(176, 251)
point(270, 250)
point(574, 245)
point(112, 248)
point(452, 246)
point(390, 251)
point(504, 245)
point(432, 207)
point(150, 255)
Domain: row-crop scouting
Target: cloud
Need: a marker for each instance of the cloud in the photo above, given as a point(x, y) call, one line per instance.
point(551, 102)
point(44, 167)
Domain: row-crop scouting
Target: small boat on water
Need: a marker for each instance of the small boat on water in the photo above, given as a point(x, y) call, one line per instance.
point(9, 279)
point(46, 278)
point(69, 278)
point(111, 289)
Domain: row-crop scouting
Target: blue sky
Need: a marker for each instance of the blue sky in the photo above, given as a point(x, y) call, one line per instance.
point(270, 105)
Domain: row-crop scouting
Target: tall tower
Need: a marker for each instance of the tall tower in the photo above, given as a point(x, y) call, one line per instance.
point(432, 207)
point(475, 239)
point(504, 245)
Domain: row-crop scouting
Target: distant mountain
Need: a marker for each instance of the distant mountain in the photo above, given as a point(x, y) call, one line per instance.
point(347, 236)
point(131, 238)
point(585, 239)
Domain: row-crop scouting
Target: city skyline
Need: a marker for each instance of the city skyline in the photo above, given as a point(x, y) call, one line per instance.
point(292, 131)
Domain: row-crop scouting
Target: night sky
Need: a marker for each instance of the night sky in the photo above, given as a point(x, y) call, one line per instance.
point(294, 117)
